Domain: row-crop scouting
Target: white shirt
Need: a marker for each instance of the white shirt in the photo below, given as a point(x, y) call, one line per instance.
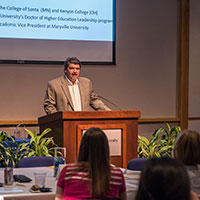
point(75, 94)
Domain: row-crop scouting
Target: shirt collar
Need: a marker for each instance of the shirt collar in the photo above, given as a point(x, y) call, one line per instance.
point(69, 82)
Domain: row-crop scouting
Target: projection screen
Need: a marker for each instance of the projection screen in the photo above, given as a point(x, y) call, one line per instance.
point(38, 31)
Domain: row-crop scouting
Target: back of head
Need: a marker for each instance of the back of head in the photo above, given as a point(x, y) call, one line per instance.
point(187, 147)
point(94, 147)
point(94, 150)
point(163, 178)
point(73, 60)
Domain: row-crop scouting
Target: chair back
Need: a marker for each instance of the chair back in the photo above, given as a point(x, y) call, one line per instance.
point(37, 161)
point(136, 164)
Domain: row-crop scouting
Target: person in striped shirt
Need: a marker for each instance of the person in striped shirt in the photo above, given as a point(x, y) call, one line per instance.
point(92, 176)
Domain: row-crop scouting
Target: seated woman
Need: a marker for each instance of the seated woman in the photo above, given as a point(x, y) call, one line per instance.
point(92, 176)
point(164, 179)
point(187, 150)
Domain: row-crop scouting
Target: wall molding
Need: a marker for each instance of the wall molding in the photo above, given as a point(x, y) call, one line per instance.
point(158, 120)
point(183, 64)
point(16, 122)
point(194, 118)
point(141, 121)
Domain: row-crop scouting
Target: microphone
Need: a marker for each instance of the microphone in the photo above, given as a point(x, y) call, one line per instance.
point(109, 102)
point(16, 131)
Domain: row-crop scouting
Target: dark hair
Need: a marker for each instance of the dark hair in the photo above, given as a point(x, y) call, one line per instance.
point(187, 147)
point(163, 178)
point(94, 150)
point(73, 60)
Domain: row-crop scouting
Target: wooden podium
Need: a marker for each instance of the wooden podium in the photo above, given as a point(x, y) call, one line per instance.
point(67, 129)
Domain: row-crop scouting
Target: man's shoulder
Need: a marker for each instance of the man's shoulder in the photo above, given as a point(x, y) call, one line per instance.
point(57, 80)
point(84, 79)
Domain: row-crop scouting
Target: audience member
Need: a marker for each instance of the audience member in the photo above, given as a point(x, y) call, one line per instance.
point(92, 176)
point(187, 150)
point(164, 179)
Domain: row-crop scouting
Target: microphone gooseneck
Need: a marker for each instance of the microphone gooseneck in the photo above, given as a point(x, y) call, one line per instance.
point(16, 131)
point(109, 102)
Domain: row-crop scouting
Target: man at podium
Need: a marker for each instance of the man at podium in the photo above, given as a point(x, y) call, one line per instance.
point(71, 92)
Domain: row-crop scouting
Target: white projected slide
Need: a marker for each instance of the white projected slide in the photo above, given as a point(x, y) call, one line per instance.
point(52, 30)
point(85, 20)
